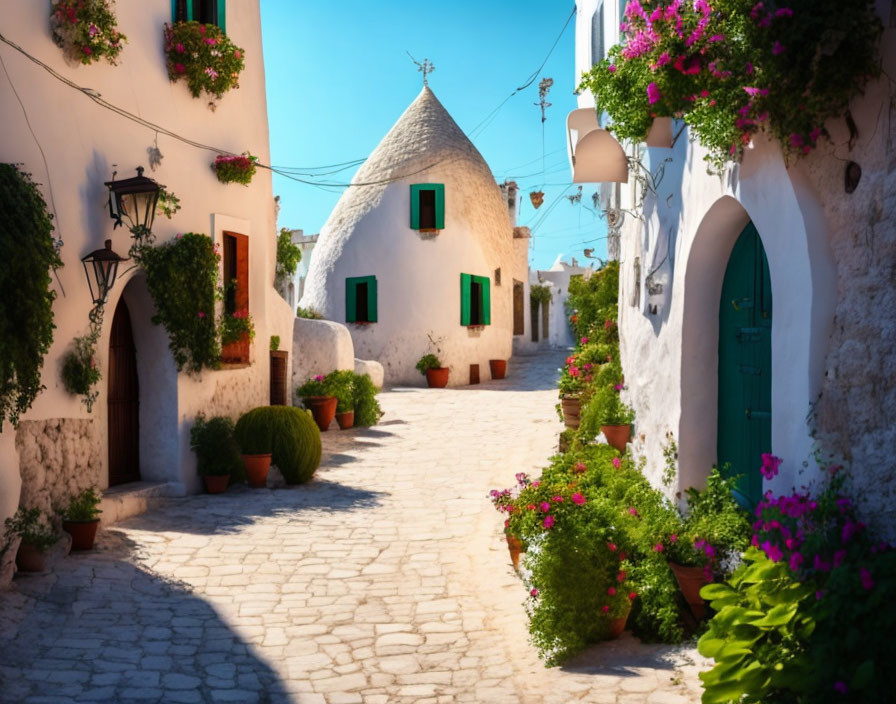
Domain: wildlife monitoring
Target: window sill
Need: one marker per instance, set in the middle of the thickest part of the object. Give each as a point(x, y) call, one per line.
point(225, 366)
point(476, 327)
point(361, 324)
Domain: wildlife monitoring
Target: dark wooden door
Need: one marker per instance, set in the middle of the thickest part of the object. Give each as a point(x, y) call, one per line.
point(279, 360)
point(124, 401)
point(518, 314)
point(745, 366)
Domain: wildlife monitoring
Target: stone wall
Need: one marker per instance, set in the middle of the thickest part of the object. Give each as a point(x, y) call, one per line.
point(58, 458)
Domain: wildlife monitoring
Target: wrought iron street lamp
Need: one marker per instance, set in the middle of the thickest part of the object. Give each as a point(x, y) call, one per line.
point(134, 201)
point(101, 268)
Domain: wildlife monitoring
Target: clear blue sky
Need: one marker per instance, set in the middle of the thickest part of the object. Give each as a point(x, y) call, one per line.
point(338, 78)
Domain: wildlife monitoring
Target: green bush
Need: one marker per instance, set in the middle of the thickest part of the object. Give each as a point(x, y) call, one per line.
point(308, 313)
point(84, 506)
point(27, 253)
point(341, 383)
point(80, 374)
point(217, 452)
point(427, 362)
point(593, 301)
point(33, 527)
point(290, 435)
point(288, 255)
point(367, 408)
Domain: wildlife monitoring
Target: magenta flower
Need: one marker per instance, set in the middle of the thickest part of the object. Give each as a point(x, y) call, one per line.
point(611, 68)
point(840, 687)
point(673, 538)
point(867, 581)
point(584, 340)
point(87, 50)
point(211, 73)
point(611, 591)
point(580, 467)
point(319, 377)
point(179, 68)
point(770, 464)
point(778, 48)
point(658, 547)
point(617, 463)
point(653, 93)
point(814, 135)
point(796, 559)
point(557, 499)
point(605, 609)
point(201, 314)
point(534, 592)
point(179, 48)
point(544, 506)
point(784, 12)
point(548, 522)
point(577, 499)
point(818, 595)
point(632, 596)
point(753, 92)
point(632, 511)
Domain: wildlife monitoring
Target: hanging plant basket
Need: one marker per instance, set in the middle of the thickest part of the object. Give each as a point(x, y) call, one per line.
point(235, 169)
point(537, 198)
point(86, 30)
point(203, 56)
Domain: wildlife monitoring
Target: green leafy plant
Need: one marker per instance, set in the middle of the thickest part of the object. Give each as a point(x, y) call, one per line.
point(86, 30)
point(341, 384)
point(167, 204)
point(182, 277)
point(318, 385)
point(367, 408)
point(204, 57)
point(236, 326)
point(288, 255)
point(217, 452)
point(80, 374)
point(290, 434)
point(32, 526)
point(733, 68)
point(539, 294)
point(592, 302)
point(84, 506)
point(428, 361)
point(27, 253)
point(308, 313)
point(275, 343)
point(607, 408)
point(236, 169)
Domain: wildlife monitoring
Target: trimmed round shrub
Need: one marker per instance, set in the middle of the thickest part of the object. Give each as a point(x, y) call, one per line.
point(288, 433)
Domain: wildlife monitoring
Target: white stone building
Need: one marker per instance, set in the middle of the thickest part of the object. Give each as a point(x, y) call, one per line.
point(719, 366)
point(418, 254)
point(293, 287)
point(59, 447)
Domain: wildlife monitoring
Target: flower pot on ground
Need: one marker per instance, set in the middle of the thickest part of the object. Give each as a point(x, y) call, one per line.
point(431, 367)
point(345, 420)
point(498, 368)
point(37, 536)
point(572, 410)
point(617, 435)
point(81, 519)
point(319, 395)
point(257, 467)
point(323, 410)
point(30, 558)
point(288, 434)
point(516, 548)
point(690, 581)
point(254, 436)
point(218, 458)
point(342, 385)
point(617, 625)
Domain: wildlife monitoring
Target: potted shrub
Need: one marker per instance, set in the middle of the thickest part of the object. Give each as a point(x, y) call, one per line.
point(614, 416)
point(253, 433)
point(217, 453)
point(498, 368)
point(436, 375)
point(367, 408)
point(82, 518)
point(37, 536)
point(86, 30)
point(342, 386)
point(290, 435)
point(317, 396)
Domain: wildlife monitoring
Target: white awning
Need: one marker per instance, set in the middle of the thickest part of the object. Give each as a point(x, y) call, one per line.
point(594, 154)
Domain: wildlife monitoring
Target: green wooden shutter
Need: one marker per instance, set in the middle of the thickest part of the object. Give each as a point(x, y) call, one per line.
point(465, 286)
point(486, 300)
point(189, 10)
point(351, 314)
point(222, 7)
point(440, 205)
point(371, 298)
point(415, 207)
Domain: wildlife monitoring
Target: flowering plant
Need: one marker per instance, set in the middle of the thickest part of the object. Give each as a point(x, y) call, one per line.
point(235, 169)
point(236, 326)
point(86, 30)
point(732, 68)
point(318, 385)
point(203, 56)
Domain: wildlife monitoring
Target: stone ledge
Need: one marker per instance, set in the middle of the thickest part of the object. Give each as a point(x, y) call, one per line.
point(134, 498)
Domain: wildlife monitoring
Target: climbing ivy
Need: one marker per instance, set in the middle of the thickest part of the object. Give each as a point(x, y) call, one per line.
point(27, 253)
point(288, 255)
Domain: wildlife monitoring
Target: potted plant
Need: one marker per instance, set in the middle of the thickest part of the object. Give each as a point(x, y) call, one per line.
point(82, 517)
point(203, 56)
point(317, 396)
point(436, 375)
point(367, 409)
point(217, 453)
point(235, 169)
point(342, 386)
point(253, 433)
point(498, 368)
point(614, 416)
point(86, 30)
point(37, 536)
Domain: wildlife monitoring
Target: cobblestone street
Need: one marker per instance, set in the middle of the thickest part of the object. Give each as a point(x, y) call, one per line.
point(387, 579)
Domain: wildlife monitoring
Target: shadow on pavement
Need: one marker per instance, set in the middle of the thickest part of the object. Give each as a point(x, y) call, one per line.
point(624, 658)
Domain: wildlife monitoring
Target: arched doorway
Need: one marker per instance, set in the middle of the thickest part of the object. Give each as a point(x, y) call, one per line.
point(745, 365)
point(123, 401)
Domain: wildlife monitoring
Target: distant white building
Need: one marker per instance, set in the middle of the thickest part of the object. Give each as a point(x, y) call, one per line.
point(293, 287)
point(555, 328)
point(418, 254)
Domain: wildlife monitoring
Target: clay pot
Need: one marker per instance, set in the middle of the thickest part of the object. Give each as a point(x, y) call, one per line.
point(515, 546)
point(218, 483)
point(498, 368)
point(346, 420)
point(690, 581)
point(617, 625)
point(30, 559)
point(617, 435)
point(323, 409)
point(257, 467)
point(83, 533)
point(572, 411)
point(437, 378)
point(537, 198)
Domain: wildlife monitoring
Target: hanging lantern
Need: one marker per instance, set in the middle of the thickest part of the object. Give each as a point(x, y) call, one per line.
point(101, 268)
point(134, 201)
point(537, 198)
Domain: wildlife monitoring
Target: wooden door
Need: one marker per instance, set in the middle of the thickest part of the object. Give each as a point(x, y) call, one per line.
point(123, 401)
point(518, 314)
point(745, 366)
point(279, 361)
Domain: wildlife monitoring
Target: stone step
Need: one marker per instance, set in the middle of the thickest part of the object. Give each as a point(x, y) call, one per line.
point(134, 498)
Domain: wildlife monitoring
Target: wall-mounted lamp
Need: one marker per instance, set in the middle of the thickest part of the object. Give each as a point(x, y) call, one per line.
point(101, 268)
point(134, 200)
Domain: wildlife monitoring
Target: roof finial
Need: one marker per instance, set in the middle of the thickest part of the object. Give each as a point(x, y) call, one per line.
point(426, 67)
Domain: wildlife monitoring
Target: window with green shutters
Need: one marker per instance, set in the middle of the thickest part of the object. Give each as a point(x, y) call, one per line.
point(428, 206)
point(360, 299)
point(475, 300)
point(204, 11)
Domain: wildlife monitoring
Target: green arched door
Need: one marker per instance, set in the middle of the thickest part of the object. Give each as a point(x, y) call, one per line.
point(745, 366)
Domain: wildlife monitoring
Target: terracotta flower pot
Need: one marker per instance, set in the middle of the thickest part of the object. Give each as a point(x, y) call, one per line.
point(346, 420)
point(83, 533)
point(537, 198)
point(218, 483)
point(257, 467)
point(572, 411)
point(690, 580)
point(323, 409)
point(617, 435)
point(617, 625)
point(515, 546)
point(30, 559)
point(498, 368)
point(437, 378)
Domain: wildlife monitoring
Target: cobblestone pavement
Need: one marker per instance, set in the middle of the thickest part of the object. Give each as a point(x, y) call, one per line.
point(385, 580)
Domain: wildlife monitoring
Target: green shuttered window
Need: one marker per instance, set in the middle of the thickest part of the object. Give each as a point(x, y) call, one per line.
point(428, 206)
point(204, 11)
point(360, 299)
point(475, 300)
